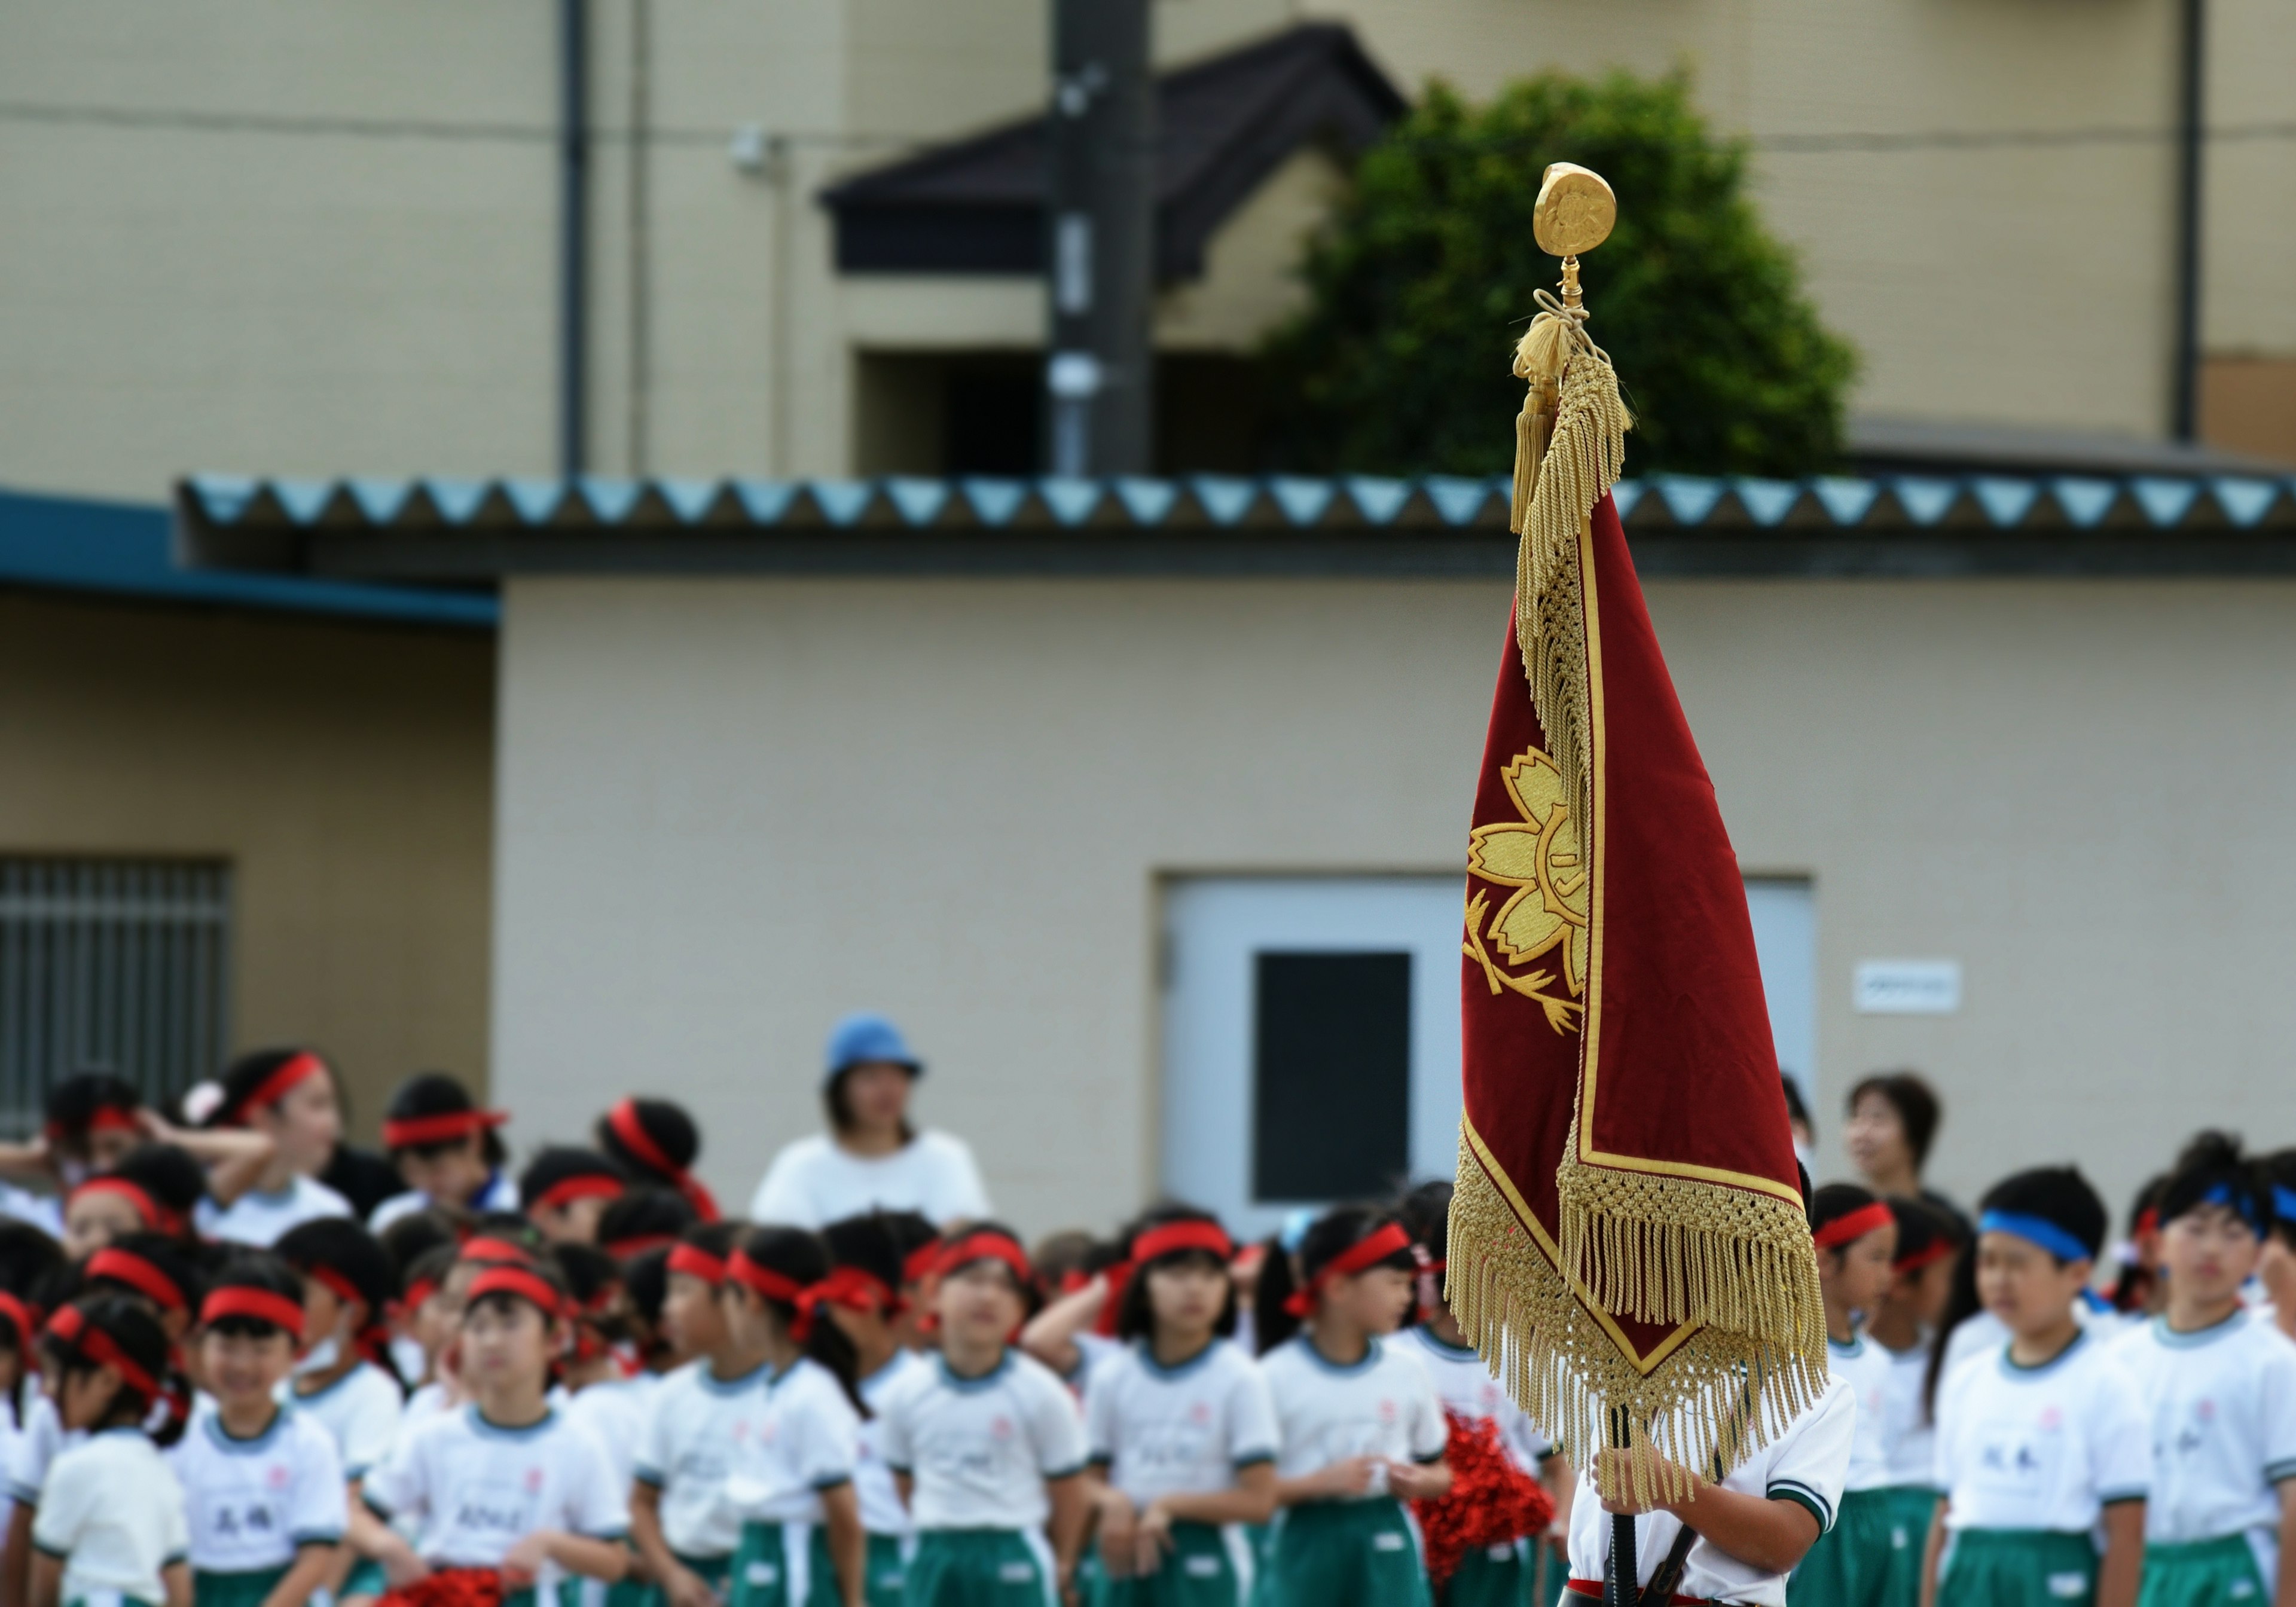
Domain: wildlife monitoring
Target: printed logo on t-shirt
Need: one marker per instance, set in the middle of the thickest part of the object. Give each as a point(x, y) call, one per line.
point(278, 1476)
point(1000, 1427)
point(1200, 1413)
point(1387, 1412)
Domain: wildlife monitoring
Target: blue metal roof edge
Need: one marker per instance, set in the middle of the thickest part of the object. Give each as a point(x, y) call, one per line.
point(127, 549)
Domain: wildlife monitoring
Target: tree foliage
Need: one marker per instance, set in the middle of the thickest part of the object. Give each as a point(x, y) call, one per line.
point(1420, 285)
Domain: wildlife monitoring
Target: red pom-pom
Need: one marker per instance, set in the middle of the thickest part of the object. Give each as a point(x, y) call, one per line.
point(448, 1587)
point(1492, 1501)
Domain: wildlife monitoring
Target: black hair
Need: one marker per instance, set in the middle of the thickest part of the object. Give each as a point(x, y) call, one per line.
point(435, 1094)
point(512, 1228)
point(244, 1078)
point(669, 1126)
point(1922, 1224)
point(720, 1239)
point(167, 1255)
point(912, 1231)
point(27, 1255)
point(803, 1259)
point(256, 1269)
point(1835, 1201)
point(1271, 1321)
point(866, 1242)
point(342, 1247)
point(2279, 1172)
point(431, 1267)
point(1056, 1255)
point(1032, 1298)
point(2212, 1171)
point(136, 1334)
point(559, 1163)
point(840, 1108)
point(77, 1099)
point(645, 1278)
point(1135, 1316)
point(167, 1172)
point(1910, 1096)
point(547, 1271)
point(2058, 1195)
point(644, 1213)
point(592, 1277)
point(1797, 1107)
point(1340, 1229)
point(1425, 1213)
point(414, 1235)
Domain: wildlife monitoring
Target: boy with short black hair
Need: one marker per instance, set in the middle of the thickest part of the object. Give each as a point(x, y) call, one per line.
point(2219, 1384)
point(2041, 1441)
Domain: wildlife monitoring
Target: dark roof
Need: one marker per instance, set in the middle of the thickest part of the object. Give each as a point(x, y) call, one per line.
point(1899, 525)
point(1887, 445)
point(123, 549)
point(1222, 127)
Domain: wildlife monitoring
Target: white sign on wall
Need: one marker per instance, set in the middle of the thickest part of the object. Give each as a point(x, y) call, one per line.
point(1907, 987)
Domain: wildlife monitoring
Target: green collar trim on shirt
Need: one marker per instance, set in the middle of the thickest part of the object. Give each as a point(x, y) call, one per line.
point(966, 1386)
point(325, 1389)
point(1457, 1353)
point(1855, 1348)
point(761, 1374)
point(226, 1440)
point(2010, 1367)
point(1307, 1344)
point(2193, 1339)
point(1146, 1350)
point(486, 1428)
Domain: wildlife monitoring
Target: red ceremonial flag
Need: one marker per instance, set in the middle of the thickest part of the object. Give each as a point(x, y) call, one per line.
point(1628, 1244)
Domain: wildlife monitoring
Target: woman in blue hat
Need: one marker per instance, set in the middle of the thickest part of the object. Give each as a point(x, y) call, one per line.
point(871, 1159)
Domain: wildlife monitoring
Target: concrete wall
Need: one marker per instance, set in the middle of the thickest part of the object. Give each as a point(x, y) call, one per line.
point(730, 809)
point(256, 235)
point(345, 772)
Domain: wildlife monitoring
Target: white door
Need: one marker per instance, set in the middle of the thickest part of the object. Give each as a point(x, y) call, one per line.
point(1311, 1040)
point(1786, 941)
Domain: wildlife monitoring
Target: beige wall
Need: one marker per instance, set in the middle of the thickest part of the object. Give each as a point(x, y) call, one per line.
point(730, 809)
point(345, 772)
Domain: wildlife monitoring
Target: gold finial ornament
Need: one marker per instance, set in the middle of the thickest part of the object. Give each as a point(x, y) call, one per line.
point(1575, 212)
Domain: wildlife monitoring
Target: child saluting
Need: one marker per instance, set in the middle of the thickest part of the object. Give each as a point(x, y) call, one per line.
point(2219, 1384)
point(2040, 1439)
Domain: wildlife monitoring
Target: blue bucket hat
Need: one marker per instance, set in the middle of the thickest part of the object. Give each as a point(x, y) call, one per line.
point(865, 1037)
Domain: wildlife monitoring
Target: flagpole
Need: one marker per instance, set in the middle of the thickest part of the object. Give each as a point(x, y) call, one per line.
point(1621, 1570)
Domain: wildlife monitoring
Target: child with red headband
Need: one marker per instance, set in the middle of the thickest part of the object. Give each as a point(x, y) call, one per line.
point(679, 1517)
point(866, 1252)
point(155, 1188)
point(33, 1278)
point(603, 1399)
point(92, 1119)
point(655, 1140)
point(792, 1479)
point(1855, 1233)
point(565, 1191)
point(1361, 1427)
point(110, 1524)
point(1902, 1324)
point(447, 1150)
point(1181, 1429)
point(263, 1485)
point(986, 1446)
point(507, 1487)
point(288, 1096)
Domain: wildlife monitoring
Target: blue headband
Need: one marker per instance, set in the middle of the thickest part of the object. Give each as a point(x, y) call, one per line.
point(2046, 1234)
point(2247, 1208)
point(2284, 1203)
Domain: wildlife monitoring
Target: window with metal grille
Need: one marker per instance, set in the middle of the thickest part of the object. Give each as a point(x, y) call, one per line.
point(114, 965)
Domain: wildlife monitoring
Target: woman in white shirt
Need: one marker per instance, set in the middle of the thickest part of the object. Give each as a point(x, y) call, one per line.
point(871, 1159)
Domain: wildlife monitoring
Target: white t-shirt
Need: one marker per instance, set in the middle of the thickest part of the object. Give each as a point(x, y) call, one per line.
point(498, 1193)
point(361, 1409)
point(39, 1443)
point(1383, 1405)
point(1909, 1439)
point(1805, 1464)
point(813, 1182)
point(2222, 1405)
point(114, 1513)
point(1178, 1431)
point(689, 1454)
point(1864, 1366)
point(250, 1502)
point(43, 1211)
point(1463, 1382)
point(2041, 1448)
point(808, 1439)
point(479, 1488)
point(1982, 1333)
point(615, 1414)
point(262, 1219)
point(881, 1512)
point(981, 1449)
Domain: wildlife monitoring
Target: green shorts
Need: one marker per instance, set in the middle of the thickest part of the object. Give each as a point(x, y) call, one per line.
point(980, 1568)
point(1346, 1553)
point(246, 1589)
point(2018, 1568)
point(364, 1578)
point(1871, 1554)
point(1201, 1570)
point(1490, 1576)
point(2202, 1573)
point(578, 1592)
point(773, 1567)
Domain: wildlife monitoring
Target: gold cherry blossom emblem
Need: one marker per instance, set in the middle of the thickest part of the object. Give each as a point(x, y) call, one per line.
point(1542, 859)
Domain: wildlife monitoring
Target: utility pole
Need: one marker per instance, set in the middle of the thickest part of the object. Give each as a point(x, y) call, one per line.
point(2191, 132)
point(1100, 243)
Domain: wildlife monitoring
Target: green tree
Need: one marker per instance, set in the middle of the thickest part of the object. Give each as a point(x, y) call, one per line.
point(1399, 363)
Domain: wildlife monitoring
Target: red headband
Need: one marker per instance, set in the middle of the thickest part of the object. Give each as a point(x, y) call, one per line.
point(1855, 1226)
point(1935, 1250)
point(405, 1135)
point(857, 1289)
point(984, 1247)
point(582, 1185)
point(71, 1327)
point(343, 1288)
point(696, 1262)
point(273, 1088)
point(108, 1119)
point(527, 1285)
point(418, 1294)
point(776, 1286)
point(126, 1267)
point(486, 1249)
point(1172, 1237)
point(1116, 1277)
point(156, 1216)
point(2148, 1221)
point(637, 1244)
point(237, 1299)
point(623, 1122)
point(920, 1262)
point(1365, 1253)
point(26, 1318)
